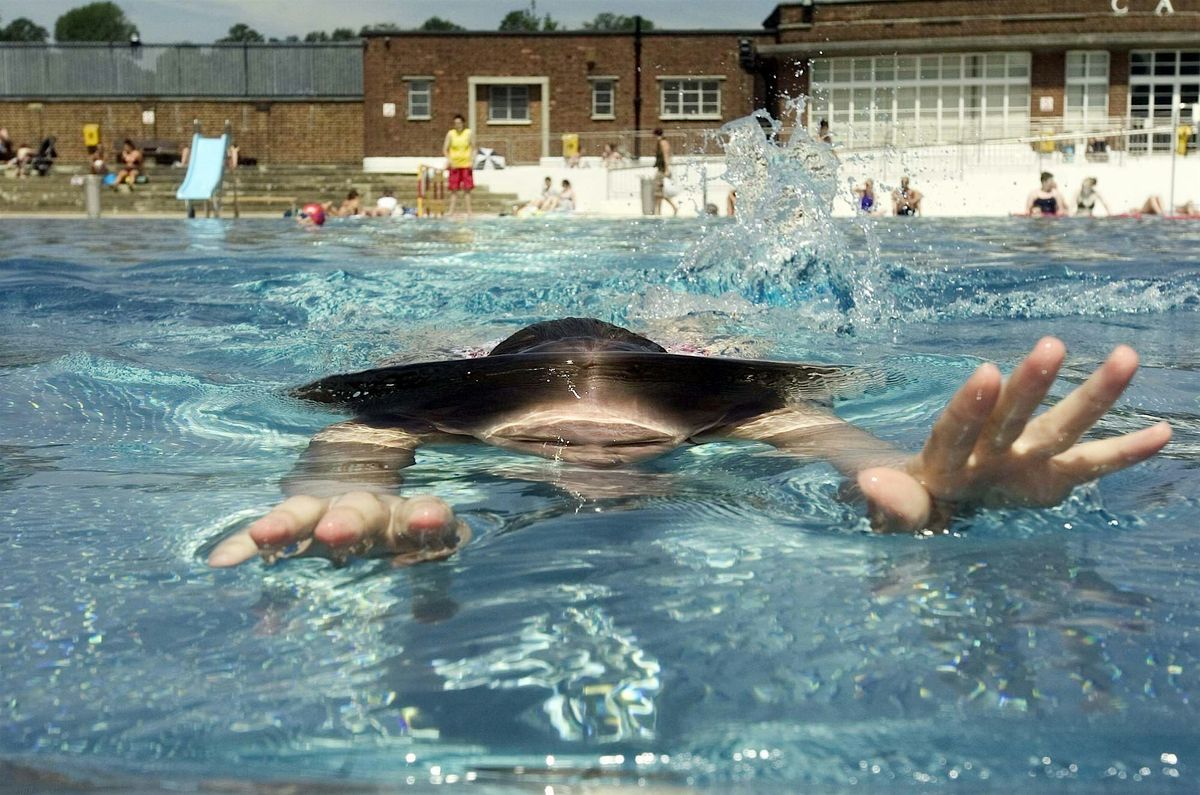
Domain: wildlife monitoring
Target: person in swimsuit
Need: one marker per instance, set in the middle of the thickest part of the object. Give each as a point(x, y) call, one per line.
point(131, 164)
point(906, 200)
point(1085, 201)
point(662, 171)
point(459, 150)
point(582, 392)
point(1047, 200)
point(867, 203)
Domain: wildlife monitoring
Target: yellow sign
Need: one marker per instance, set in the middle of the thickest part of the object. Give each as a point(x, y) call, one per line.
point(91, 135)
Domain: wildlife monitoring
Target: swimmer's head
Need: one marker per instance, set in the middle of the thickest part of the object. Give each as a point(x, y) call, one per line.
point(575, 334)
point(311, 214)
point(1047, 180)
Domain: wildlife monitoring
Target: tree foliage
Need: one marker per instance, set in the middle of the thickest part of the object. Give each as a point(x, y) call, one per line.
point(609, 21)
point(94, 22)
point(241, 33)
point(526, 20)
point(338, 34)
point(23, 29)
point(381, 27)
point(439, 24)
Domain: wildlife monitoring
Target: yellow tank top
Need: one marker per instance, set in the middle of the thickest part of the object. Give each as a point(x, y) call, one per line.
point(460, 148)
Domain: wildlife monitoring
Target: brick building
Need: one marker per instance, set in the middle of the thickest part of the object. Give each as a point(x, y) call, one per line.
point(881, 71)
point(521, 92)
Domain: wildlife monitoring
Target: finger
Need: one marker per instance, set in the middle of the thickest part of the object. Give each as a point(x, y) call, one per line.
point(353, 520)
point(1023, 392)
point(955, 433)
point(896, 502)
point(288, 523)
point(1063, 424)
point(423, 521)
point(1092, 460)
point(238, 548)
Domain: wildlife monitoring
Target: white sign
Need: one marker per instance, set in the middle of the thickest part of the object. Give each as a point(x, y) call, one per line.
point(148, 117)
point(1046, 104)
point(1164, 7)
point(389, 110)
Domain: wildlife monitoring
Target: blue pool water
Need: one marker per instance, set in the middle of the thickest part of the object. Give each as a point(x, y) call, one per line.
point(716, 618)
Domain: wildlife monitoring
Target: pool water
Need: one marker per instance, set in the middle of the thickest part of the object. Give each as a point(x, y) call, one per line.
point(716, 618)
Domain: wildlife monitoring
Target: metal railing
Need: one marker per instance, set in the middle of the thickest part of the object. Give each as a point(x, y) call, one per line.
point(267, 71)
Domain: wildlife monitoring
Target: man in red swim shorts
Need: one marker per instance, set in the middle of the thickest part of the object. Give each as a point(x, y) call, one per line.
point(459, 149)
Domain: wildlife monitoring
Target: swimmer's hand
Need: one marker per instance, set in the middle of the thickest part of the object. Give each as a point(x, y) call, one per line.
point(987, 448)
point(360, 523)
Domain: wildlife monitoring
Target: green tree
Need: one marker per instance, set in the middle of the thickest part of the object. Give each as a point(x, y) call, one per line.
point(525, 20)
point(338, 34)
point(242, 32)
point(94, 22)
point(22, 29)
point(608, 21)
point(439, 24)
point(381, 27)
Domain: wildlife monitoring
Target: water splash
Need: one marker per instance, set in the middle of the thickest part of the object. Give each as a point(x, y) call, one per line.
point(783, 247)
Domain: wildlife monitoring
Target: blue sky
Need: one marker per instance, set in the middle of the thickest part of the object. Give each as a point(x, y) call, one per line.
point(162, 21)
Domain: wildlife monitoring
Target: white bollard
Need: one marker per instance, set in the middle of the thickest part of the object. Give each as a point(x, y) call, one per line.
point(91, 195)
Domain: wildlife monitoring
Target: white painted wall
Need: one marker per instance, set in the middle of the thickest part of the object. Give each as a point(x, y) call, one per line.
point(991, 180)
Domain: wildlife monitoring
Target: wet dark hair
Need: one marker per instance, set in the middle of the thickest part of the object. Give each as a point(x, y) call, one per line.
point(658, 131)
point(581, 333)
point(129, 143)
point(567, 182)
point(1047, 175)
point(353, 194)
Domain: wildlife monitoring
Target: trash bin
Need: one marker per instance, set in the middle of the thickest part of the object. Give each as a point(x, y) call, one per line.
point(648, 196)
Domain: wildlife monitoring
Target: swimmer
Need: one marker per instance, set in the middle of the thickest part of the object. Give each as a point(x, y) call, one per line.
point(906, 200)
point(866, 202)
point(311, 214)
point(1047, 200)
point(1085, 201)
point(593, 394)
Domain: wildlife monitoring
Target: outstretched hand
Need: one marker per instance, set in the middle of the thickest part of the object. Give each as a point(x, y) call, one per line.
point(987, 448)
point(359, 523)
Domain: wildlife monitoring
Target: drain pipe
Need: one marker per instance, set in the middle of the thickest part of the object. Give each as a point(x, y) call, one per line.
point(637, 87)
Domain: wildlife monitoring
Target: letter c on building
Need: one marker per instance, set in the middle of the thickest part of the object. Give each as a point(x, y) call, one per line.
point(1118, 8)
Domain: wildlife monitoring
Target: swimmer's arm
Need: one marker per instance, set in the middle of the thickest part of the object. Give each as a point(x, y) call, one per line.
point(817, 434)
point(341, 501)
point(987, 448)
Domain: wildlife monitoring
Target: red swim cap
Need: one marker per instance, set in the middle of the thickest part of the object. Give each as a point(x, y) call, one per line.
point(314, 212)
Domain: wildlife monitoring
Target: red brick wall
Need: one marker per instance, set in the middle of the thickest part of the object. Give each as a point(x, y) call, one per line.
point(1047, 75)
point(567, 60)
point(278, 132)
point(879, 21)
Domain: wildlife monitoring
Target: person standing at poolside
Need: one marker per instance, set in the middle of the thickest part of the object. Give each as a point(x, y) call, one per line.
point(906, 200)
point(662, 172)
point(459, 149)
point(1047, 200)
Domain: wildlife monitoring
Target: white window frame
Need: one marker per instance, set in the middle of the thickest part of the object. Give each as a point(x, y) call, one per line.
point(508, 119)
point(611, 83)
point(924, 75)
point(698, 86)
point(1091, 82)
point(410, 85)
point(1156, 114)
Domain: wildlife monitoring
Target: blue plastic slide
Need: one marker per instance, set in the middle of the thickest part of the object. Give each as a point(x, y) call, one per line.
point(206, 167)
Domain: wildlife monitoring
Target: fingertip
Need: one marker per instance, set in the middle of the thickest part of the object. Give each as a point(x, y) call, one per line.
point(1125, 356)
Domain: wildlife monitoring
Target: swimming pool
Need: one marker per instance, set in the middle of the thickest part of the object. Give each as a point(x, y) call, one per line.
point(716, 618)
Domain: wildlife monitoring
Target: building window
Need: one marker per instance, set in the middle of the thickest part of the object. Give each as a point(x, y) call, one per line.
point(1086, 105)
point(420, 99)
point(604, 91)
point(690, 98)
point(508, 104)
point(921, 99)
point(1158, 81)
